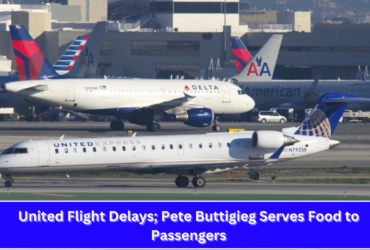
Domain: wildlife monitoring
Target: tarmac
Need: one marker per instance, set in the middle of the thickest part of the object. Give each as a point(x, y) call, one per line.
point(353, 152)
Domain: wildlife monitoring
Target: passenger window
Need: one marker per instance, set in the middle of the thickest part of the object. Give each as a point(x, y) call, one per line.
point(114, 149)
point(171, 146)
point(163, 147)
point(84, 149)
point(74, 150)
point(190, 145)
point(228, 144)
point(57, 151)
point(143, 147)
point(94, 149)
point(210, 145)
point(104, 149)
point(124, 148)
point(133, 148)
point(180, 146)
point(66, 150)
point(200, 145)
point(219, 145)
point(153, 147)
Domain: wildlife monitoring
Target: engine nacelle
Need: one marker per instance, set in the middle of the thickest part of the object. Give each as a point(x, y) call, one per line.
point(271, 140)
point(196, 117)
point(254, 174)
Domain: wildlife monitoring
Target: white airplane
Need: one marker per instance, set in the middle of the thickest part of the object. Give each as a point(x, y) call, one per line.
point(140, 101)
point(180, 154)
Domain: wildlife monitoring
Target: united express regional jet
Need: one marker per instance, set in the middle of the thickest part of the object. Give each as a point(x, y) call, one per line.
point(181, 155)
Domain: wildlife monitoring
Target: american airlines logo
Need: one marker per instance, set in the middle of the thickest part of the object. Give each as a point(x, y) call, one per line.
point(252, 70)
point(202, 87)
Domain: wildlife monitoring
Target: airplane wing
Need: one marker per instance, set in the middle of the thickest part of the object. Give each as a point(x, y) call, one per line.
point(165, 104)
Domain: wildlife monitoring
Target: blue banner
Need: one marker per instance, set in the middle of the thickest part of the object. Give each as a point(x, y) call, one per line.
point(184, 224)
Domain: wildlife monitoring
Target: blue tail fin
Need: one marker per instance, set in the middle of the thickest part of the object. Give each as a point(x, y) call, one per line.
point(324, 118)
point(31, 62)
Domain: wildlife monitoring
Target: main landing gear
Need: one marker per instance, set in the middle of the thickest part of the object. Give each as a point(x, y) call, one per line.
point(183, 181)
point(216, 127)
point(117, 125)
point(153, 127)
point(8, 181)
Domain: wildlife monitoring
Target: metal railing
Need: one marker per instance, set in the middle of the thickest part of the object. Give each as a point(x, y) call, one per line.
point(272, 28)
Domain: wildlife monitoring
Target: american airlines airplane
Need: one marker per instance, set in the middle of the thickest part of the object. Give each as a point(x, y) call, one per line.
point(80, 60)
point(297, 94)
point(180, 154)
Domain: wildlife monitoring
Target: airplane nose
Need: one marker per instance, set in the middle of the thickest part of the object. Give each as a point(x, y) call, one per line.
point(251, 103)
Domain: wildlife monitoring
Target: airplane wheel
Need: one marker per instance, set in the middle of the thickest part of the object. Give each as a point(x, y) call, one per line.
point(154, 127)
point(8, 184)
point(199, 181)
point(117, 126)
point(216, 128)
point(182, 181)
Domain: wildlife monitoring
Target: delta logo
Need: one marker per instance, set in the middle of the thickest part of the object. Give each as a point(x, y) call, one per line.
point(201, 87)
point(264, 68)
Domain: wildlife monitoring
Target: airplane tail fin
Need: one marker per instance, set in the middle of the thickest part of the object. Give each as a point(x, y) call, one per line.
point(86, 58)
point(31, 61)
point(241, 55)
point(69, 57)
point(262, 66)
point(324, 118)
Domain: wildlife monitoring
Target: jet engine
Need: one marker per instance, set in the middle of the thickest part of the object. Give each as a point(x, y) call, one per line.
point(196, 117)
point(271, 140)
point(254, 174)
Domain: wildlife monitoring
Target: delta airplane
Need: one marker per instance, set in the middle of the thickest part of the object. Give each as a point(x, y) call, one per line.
point(140, 101)
point(76, 62)
point(297, 94)
point(180, 154)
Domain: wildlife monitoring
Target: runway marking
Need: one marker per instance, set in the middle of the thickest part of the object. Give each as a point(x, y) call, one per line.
point(59, 195)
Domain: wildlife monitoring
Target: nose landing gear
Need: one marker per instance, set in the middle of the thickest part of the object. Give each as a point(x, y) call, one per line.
point(8, 181)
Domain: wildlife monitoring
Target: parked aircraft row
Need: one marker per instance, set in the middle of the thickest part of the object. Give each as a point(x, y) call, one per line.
point(143, 101)
point(140, 101)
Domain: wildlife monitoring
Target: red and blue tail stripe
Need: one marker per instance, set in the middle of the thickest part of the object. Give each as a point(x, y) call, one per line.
point(69, 57)
point(241, 55)
point(30, 60)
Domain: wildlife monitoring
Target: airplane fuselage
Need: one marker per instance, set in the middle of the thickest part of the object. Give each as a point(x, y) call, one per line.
point(179, 154)
point(123, 96)
point(291, 94)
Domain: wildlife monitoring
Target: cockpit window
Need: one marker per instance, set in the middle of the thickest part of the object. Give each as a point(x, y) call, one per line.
point(15, 151)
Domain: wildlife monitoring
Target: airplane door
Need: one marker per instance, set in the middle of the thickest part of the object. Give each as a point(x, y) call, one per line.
point(180, 148)
point(44, 153)
point(70, 92)
point(353, 90)
point(226, 91)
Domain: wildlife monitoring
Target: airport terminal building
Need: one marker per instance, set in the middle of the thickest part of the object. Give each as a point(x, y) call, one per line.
point(189, 38)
